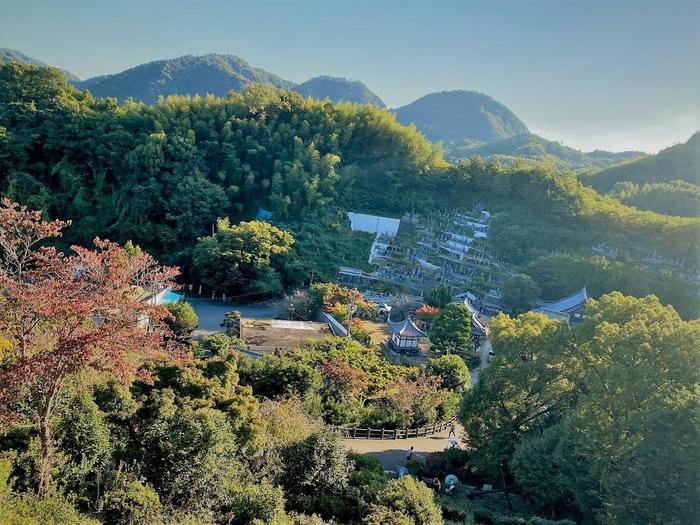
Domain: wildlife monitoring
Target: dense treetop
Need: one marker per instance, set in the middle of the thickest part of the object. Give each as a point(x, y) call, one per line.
point(162, 175)
point(582, 418)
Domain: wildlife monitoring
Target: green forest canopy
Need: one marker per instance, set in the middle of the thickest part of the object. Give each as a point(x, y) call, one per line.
point(162, 175)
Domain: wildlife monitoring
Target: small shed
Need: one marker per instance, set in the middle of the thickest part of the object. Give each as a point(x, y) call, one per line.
point(405, 336)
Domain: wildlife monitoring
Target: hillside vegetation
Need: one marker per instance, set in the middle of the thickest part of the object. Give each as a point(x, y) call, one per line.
point(668, 182)
point(215, 74)
point(112, 412)
point(162, 175)
point(467, 123)
point(531, 146)
point(679, 162)
point(11, 55)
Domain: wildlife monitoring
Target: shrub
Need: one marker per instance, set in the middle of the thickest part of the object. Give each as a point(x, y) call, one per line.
point(184, 320)
point(221, 345)
point(380, 515)
point(411, 498)
point(456, 457)
point(360, 333)
point(415, 465)
point(130, 502)
point(318, 465)
point(366, 462)
point(245, 503)
point(451, 370)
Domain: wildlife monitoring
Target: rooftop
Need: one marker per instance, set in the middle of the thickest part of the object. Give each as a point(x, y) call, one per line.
point(406, 328)
point(565, 304)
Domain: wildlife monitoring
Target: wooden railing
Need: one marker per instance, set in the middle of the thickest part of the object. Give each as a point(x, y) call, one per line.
point(399, 433)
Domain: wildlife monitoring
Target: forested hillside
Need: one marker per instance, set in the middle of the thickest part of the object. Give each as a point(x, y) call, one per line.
point(162, 175)
point(531, 146)
point(668, 182)
point(468, 123)
point(113, 411)
point(11, 55)
point(338, 90)
point(540, 210)
point(215, 74)
point(679, 162)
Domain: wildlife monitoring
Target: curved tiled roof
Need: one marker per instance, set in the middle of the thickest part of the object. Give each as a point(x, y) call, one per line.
point(567, 303)
point(406, 328)
point(476, 320)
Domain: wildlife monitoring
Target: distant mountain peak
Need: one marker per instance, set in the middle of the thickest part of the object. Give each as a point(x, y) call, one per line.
point(339, 89)
point(211, 73)
point(460, 115)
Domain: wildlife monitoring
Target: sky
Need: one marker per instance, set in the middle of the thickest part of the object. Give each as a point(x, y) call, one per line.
point(593, 74)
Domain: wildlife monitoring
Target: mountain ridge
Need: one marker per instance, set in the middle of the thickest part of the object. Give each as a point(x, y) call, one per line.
point(677, 162)
point(212, 73)
point(537, 148)
point(468, 123)
point(12, 55)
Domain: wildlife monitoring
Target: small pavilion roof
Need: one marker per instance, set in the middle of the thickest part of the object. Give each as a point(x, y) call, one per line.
point(407, 329)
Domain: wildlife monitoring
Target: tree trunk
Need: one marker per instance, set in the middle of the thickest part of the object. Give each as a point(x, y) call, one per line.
point(46, 458)
point(505, 487)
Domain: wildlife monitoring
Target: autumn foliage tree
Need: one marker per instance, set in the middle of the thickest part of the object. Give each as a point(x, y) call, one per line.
point(64, 313)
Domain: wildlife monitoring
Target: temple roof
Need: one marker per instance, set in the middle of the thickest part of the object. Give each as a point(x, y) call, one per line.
point(406, 329)
point(566, 304)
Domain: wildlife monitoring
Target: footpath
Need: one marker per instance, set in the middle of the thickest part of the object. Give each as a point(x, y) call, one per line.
point(392, 452)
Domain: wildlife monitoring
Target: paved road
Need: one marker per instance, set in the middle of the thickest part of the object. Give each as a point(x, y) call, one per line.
point(211, 313)
point(392, 452)
point(485, 360)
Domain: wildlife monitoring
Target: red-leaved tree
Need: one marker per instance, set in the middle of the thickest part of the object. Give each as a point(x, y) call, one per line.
point(64, 313)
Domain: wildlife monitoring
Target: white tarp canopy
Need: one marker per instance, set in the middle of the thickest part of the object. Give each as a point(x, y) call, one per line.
point(374, 224)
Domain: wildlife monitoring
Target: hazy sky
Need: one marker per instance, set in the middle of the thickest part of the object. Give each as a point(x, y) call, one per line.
point(609, 74)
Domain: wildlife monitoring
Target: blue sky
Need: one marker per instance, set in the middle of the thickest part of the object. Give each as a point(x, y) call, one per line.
point(609, 74)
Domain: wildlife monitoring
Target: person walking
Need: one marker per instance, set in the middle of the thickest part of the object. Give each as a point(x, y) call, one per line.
point(452, 431)
point(409, 454)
